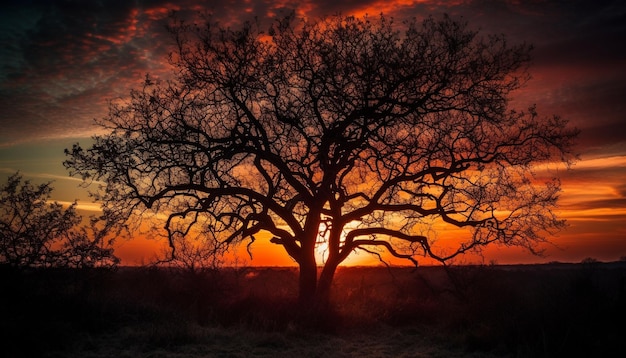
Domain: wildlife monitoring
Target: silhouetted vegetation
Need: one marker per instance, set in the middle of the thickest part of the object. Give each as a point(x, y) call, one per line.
point(36, 232)
point(504, 311)
point(347, 134)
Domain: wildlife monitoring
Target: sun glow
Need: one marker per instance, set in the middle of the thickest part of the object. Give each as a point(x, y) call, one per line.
point(356, 257)
point(321, 244)
point(321, 252)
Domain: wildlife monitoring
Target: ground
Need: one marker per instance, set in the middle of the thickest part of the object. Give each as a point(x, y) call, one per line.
point(469, 311)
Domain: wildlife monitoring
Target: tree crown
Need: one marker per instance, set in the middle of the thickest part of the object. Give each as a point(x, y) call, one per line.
point(345, 131)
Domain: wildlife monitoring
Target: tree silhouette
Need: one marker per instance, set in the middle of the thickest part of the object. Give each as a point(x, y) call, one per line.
point(35, 232)
point(343, 132)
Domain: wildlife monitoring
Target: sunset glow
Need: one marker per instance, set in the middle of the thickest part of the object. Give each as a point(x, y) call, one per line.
point(63, 64)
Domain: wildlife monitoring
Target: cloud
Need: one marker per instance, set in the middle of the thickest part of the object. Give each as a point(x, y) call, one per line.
point(47, 176)
point(65, 59)
point(90, 207)
point(589, 174)
point(69, 60)
point(613, 203)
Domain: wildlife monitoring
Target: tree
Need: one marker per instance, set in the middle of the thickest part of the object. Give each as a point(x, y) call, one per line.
point(196, 257)
point(35, 232)
point(342, 132)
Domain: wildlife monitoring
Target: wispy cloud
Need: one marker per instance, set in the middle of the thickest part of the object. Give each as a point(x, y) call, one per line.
point(38, 175)
point(81, 206)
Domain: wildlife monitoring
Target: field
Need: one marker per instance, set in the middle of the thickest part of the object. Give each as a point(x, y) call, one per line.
point(552, 310)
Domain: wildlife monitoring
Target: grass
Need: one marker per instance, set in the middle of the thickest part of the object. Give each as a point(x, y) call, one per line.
point(550, 310)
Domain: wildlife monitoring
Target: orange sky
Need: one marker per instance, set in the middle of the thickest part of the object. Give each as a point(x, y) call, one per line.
point(61, 63)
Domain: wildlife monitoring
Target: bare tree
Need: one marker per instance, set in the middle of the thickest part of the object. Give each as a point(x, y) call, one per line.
point(343, 132)
point(196, 256)
point(35, 232)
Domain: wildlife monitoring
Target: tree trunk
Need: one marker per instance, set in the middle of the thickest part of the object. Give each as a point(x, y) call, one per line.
point(308, 280)
point(322, 294)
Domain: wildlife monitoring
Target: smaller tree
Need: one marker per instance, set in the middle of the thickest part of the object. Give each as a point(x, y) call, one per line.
point(35, 232)
point(195, 256)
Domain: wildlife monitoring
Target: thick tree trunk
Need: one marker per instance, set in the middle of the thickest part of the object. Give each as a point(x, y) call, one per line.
point(308, 280)
point(315, 293)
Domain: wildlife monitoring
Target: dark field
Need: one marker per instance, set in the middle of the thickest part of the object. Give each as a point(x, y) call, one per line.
point(554, 310)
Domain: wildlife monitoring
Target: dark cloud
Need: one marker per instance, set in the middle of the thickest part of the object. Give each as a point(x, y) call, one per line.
point(609, 172)
point(593, 100)
point(617, 203)
point(69, 58)
point(62, 60)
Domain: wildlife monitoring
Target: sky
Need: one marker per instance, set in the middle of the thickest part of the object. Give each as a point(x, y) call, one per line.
point(61, 62)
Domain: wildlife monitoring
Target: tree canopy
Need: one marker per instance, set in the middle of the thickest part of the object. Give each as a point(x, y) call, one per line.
point(354, 133)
